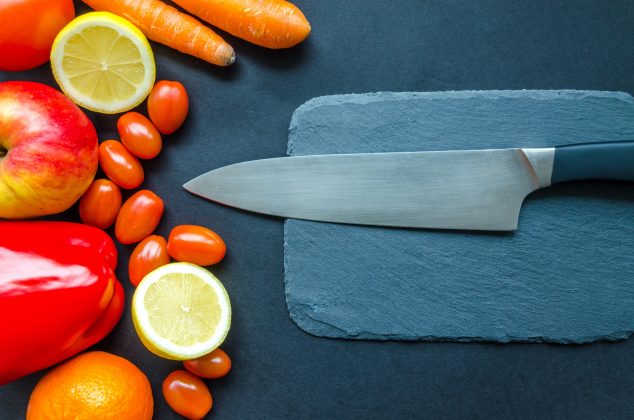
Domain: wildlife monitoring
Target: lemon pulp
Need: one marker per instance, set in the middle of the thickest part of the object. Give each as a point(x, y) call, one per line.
point(181, 311)
point(103, 63)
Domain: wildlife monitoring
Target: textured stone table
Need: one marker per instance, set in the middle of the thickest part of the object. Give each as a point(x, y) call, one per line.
point(566, 275)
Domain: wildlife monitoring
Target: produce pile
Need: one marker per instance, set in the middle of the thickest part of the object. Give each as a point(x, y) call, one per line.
point(52, 159)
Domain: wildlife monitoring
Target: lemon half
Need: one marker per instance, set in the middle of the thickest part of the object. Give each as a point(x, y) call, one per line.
point(103, 63)
point(181, 311)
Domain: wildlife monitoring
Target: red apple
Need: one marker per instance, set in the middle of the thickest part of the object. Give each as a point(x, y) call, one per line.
point(48, 151)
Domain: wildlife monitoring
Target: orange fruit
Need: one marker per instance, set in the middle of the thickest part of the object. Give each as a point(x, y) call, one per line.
point(93, 385)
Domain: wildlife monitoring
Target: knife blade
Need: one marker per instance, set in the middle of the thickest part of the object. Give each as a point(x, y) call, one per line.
point(458, 189)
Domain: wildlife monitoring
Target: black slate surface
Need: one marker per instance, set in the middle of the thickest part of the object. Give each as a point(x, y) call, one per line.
point(242, 113)
point(535, 284)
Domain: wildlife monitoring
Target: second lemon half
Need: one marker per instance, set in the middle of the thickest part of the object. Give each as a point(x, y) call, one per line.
point(181, 311)
point(103, 63)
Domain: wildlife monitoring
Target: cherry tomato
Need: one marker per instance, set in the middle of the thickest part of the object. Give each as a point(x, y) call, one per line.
point(149, 254)
point(187, 394)
point(27, 31)
point(138, 217)
point(168, 105)
point(196, 245)
point(120, 165)
point(100, 204)
point(213, 365)
point(139, 135)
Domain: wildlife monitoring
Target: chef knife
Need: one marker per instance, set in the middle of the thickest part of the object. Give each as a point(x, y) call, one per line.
point(458, 189)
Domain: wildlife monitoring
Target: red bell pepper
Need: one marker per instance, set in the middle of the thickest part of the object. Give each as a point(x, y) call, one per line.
point(58, 293)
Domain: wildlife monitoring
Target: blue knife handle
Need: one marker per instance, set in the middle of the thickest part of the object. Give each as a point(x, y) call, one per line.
point(602, 161)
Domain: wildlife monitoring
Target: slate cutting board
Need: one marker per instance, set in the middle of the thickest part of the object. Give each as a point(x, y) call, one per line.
point(566, 275)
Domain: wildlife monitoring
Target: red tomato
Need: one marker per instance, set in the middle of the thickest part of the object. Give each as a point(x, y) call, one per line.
point(187, 394)
point(139, 135)
point(27, 31)
point(120, 165)
point(138, 217)
point(149, 254)
point(168, 105)
point(100, 204)
point(196, 245)
point(213, 365)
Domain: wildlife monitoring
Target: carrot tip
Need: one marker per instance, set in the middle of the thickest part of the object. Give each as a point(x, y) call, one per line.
point(231, 59)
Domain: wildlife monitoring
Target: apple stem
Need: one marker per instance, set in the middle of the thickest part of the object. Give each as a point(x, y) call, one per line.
point(3, 152)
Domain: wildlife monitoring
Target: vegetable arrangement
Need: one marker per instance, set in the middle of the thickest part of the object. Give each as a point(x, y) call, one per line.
point(32, 285)
point(62, 287)
point(30, 27)
point(73, 246)
point(166, 25)
point(268, 23)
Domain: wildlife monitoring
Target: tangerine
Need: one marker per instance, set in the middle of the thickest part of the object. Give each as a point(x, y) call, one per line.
point(93, 385)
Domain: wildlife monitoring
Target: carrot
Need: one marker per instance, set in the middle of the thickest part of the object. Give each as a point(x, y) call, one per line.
point(268, 23)
point(166, 25)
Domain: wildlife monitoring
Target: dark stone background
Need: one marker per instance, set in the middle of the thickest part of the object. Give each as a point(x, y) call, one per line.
point(243, 113)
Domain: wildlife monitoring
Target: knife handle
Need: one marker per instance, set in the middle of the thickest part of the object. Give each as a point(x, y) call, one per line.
point(605, 161)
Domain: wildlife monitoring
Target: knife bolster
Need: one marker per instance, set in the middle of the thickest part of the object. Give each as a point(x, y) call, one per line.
point(541, 161)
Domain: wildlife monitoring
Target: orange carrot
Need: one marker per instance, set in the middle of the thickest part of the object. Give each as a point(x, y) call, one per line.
point(268, 23)
point(166, 25)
